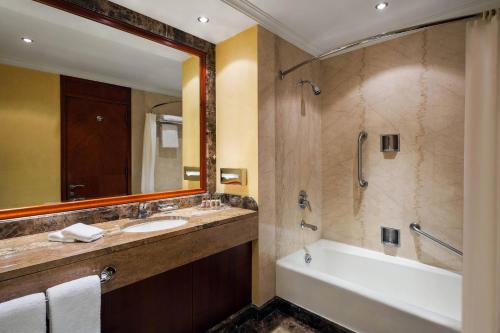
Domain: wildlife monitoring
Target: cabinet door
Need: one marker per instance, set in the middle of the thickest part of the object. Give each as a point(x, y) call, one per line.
point(222, 285)
point(162, 303)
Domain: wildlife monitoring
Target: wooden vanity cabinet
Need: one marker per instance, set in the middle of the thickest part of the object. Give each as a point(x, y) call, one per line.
point(191, 298)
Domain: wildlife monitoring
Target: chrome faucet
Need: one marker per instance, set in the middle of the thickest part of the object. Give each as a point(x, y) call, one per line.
point(167, 207)
point(142, 212)
point(303, 225)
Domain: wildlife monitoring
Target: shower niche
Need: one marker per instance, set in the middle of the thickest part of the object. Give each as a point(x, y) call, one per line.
point(389, 143)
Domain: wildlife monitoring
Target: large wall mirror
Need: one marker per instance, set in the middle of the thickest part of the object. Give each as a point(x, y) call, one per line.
point(94, 114)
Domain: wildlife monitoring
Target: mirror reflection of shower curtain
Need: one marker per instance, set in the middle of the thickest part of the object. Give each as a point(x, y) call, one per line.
point(149, 154)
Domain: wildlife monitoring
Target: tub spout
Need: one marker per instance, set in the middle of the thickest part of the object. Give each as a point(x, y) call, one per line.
point(303, 225)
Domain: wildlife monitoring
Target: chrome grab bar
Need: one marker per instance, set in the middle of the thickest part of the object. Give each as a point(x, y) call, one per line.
point(361, 138)
point(415, 227)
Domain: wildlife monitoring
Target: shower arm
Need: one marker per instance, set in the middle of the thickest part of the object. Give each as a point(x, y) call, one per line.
point(283, 73)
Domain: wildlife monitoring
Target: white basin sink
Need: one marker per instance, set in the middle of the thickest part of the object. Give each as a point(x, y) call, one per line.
point(156, 224)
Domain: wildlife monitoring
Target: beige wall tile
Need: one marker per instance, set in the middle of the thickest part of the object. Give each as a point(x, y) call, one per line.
point(413, 86)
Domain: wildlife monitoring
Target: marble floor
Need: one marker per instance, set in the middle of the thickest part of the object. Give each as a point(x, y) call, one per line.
point(277, 316)
point(276, 322)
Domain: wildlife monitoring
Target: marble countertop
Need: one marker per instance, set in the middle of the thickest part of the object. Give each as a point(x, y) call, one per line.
point(28, 254)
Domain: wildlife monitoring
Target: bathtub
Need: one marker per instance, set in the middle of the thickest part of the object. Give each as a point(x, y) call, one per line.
point(370, 292)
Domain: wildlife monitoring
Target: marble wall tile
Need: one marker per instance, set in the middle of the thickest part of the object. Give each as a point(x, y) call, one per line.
point(289, 157)
point(414, 86)
point(298, 151)
point(266, 257)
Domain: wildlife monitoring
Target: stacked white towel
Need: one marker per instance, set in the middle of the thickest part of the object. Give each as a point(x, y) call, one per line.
point(83, 232)
point(172, 119)
point(57, 236)
point(24, 315)
point(77, 232)
point(75, 306)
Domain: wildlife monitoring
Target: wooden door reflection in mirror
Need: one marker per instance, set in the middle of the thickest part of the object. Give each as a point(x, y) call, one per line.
point(94, 114)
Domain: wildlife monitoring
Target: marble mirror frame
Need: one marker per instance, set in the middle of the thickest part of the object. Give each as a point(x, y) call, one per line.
point(118, 17)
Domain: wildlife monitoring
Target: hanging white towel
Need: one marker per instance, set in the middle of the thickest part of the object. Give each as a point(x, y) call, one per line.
point(75, 306)
point(169, 136)
point(149, 154)
point(83, 232)
point(24, 315)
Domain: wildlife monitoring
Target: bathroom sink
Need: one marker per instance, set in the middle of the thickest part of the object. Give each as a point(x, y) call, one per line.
point(155, 224)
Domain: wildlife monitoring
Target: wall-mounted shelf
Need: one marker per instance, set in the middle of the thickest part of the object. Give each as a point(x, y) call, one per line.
point(389, 143)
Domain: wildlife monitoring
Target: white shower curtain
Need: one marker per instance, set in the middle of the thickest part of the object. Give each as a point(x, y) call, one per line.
point(481, 299)
point(149, 154)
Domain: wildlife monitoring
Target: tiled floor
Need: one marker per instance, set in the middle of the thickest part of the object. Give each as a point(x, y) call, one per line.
point(276, 322)
point(277, 316)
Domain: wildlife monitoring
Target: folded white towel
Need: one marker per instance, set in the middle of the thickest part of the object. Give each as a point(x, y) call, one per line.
point(57, 236)
point(172, 119)
point(169, 136)
point(75, 306)
point(83, 232)
point(24, 315)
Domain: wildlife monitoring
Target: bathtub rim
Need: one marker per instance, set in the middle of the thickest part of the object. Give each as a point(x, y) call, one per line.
point(288, 262)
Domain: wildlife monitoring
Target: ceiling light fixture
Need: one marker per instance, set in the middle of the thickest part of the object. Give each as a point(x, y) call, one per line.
point(382, 5)
point(203, 19)
point(27, 40)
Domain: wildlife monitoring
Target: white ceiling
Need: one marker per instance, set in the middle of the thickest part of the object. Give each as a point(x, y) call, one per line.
point(71, 45)
point(183, 14)
point(320, 25)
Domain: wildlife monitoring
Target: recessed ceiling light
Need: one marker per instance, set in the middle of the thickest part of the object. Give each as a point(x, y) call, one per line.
point(203, 19)
point(381, 5)
point(27, 40)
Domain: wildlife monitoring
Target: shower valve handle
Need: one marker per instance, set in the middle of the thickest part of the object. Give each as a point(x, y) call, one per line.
point(303, 201)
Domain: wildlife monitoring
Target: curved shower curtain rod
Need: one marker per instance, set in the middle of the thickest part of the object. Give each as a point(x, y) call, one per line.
point(283, 73)
point(165, 103)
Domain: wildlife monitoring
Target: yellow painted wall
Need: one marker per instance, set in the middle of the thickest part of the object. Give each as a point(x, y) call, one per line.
point(29, 137)
point(237, 109)
point(191, 117)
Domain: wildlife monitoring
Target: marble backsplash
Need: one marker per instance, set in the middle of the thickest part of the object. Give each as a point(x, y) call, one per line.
point(43, 223)
point(414, 86)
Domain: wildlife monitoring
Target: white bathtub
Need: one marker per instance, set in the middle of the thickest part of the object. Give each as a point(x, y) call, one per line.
point(370, 292)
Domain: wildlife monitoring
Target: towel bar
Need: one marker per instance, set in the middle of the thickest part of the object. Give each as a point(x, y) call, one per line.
point(106, 275)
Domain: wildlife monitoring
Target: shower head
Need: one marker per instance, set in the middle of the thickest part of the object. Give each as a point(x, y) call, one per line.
point(316, 89)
